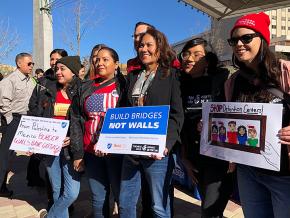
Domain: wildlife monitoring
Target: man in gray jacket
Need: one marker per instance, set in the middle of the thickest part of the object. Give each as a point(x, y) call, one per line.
point(15, 92)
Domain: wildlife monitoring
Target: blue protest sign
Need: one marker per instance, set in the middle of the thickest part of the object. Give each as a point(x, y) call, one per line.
point(138, 130)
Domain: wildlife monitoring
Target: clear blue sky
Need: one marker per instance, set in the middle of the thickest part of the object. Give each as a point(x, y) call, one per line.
point(115, 28)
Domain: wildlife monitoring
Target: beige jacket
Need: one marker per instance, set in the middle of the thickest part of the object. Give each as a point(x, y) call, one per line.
point(15, 92)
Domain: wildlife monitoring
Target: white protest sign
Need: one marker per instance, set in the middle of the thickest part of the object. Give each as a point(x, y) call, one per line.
point(135, 130)
point(244, 133)
point(40, 135)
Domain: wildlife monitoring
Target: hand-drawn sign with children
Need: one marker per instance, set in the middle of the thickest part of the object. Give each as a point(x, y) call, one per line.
point(238, 131)
point(244, 133)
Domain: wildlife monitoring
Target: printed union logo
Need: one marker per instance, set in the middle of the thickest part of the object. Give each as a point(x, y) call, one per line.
point(63, 124)
point(145, 148)
point(109, 145)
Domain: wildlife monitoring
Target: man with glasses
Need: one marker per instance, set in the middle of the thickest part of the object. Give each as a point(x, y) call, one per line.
point(140, 28)
point(15, 92)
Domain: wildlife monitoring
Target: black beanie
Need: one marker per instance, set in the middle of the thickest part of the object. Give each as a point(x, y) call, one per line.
point(72, 62)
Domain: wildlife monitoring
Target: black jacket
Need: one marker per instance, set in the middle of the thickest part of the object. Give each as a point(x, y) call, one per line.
point(163, 91)
point(78, 115)
point(195, 91)
point(42, 101)
point(43, 93)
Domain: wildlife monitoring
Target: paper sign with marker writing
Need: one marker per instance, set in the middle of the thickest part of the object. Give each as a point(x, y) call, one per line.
point(244, 133)
point(40, 135)
point(135, 130)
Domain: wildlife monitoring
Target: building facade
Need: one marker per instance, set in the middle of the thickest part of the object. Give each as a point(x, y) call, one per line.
point(280, 22)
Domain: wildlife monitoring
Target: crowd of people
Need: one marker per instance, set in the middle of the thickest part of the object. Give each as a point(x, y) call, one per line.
point(156, 76)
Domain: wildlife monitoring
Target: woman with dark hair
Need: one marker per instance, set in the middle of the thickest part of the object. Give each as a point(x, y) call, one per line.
point(49, 77)
point(55, 55)
point(97, 95)
point(202, 80)
point(54, 99)
point(33, 174)
point(260, 79)
point(155, 84)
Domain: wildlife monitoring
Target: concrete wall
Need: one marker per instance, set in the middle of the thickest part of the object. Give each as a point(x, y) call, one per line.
point(42, 36)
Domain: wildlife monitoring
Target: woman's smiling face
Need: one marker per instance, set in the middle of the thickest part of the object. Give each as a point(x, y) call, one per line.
point(246, 52)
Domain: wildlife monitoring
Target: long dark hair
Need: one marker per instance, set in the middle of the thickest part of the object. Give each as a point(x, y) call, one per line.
point(167, 55)
point(118, 75)
point(194, 42)
point(210, 57)
point(60, 51)
point(115, 57)
point(268, 66)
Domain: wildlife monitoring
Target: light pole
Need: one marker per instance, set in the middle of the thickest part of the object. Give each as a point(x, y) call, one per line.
point(42, 33)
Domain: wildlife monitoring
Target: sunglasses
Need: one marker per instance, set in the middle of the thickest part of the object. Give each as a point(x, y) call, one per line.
point(30, 63)
point(245, 39)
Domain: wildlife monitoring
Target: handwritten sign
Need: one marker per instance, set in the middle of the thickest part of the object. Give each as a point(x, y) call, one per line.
point(244, 133)
point(134, 130)
point(40, 135)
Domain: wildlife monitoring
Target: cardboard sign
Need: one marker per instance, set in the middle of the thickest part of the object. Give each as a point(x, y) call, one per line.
point(40, 135)
point(244, 133)
point(134, 130)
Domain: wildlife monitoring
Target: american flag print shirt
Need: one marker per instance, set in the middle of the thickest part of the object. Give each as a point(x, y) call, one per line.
point(96, 106)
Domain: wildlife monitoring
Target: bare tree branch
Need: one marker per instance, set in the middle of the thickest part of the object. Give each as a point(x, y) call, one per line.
point(76, 26)
point(9, 39)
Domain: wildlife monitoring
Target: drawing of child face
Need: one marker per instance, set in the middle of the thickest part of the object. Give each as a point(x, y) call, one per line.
point(232, 126)
point(214, 129)
point(252, 133)
point(222, 130)
point(242, 131)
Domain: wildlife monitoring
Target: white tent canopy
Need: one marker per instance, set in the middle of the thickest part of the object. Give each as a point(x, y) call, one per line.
point(220, 9)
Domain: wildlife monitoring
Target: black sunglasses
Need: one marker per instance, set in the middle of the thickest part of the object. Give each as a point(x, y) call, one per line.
point(30, 63)
point(245, 39)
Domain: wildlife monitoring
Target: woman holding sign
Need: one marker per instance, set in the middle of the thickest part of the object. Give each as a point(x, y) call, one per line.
point(155, 84)
point(261, 78)
point(54, 101)
point(88, 110)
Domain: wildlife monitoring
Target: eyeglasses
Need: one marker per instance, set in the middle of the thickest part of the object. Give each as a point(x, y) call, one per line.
point(245, 39)
point(30, 63)
point(196, 55)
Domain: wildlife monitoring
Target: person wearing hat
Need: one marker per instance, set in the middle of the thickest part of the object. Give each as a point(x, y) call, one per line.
point(261, 78)
point(54, 101)
point(33, 171)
